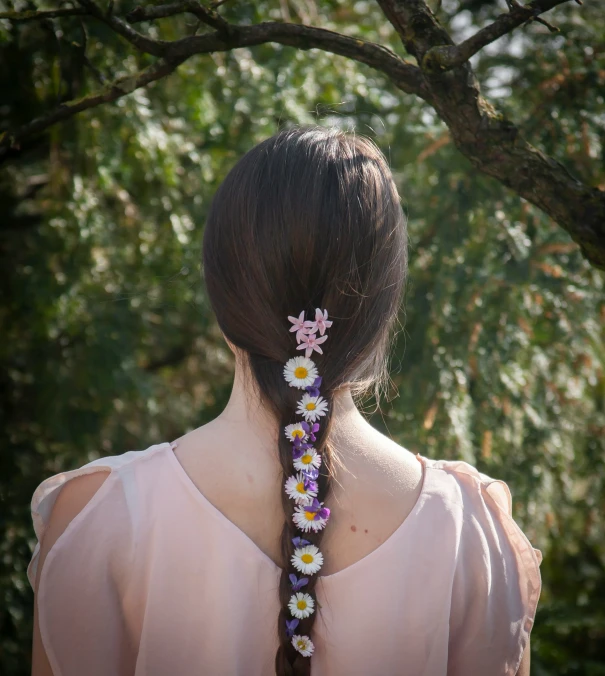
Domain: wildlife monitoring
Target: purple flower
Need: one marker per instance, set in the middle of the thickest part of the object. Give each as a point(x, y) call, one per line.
point(300, 542)
point(299, 449)
point(290, 627)
point(323, 513)
point(320, 512)
point(309, 485)
point(312, 430)
point(313, 390)
point(296, 583)
point(312, 473)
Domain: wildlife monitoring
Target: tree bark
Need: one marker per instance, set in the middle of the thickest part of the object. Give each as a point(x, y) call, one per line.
point(493, 143)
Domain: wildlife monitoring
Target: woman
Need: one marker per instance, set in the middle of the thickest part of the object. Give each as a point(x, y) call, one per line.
point(287, 536)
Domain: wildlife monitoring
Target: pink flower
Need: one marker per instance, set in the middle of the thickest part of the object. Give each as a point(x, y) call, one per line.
point(320, 324)
point(310, 342)
point(299, 325)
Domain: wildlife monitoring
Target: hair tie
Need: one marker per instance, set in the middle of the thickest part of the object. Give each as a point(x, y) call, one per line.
point(302, 487)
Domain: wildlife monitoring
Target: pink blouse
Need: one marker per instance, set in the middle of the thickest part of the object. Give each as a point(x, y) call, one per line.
point(151, 579)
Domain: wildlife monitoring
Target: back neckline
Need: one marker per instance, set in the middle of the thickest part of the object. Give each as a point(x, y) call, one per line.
point(364, 560)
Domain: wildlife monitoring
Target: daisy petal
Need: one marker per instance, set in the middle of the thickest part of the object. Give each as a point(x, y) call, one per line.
point(303, 645)
point(307, 560)
point(300, 372)
point(301, 605)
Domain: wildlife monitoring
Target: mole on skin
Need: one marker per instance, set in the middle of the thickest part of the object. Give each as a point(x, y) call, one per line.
point(354, 528)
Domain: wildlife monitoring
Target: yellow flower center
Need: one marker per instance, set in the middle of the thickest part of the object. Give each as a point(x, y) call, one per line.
point(300, 487)
point(307, 558)
point(310, 406)
point(301, 644)
point(300, 372)
point(309, 516)
point(306, 459)
point(301, 605)
point(298, 433)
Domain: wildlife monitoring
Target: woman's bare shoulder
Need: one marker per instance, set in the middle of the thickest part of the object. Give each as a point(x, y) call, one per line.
point(382, 465)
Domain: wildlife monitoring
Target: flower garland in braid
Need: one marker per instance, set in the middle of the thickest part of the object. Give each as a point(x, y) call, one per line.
point(302, 487)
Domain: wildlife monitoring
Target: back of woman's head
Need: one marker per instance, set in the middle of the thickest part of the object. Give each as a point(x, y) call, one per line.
point(309, 218)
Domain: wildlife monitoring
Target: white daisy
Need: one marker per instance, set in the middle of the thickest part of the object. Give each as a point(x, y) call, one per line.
point(310, 458)
point(295, 488)
point(303, 644)
point(300, 372)
point(312, 408)
point(307, 560)
point(296, 430)
point(301, 605)
point(307, 520)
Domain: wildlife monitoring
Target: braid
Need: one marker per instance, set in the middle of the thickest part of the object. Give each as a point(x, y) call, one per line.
point(289, 660)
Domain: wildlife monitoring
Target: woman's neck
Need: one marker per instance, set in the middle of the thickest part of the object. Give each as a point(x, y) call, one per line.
point(246, 411)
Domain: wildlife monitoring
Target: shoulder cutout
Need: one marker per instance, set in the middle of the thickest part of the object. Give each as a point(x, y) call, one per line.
point(81, 565)
point(69, 503)
point(90, 477)
point(72, 499)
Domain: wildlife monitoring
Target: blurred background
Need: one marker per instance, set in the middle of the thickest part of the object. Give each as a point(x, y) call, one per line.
point(109, 344)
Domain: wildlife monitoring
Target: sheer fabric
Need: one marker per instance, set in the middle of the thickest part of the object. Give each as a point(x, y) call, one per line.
point(151, 579)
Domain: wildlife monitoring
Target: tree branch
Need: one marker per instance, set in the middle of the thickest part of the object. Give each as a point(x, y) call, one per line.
point(152, 12)
point(34, 15)
point(441, 58)
point(207, 16)
point(87, 62)
point(113, 91)
point(417, 26)
point(140, 41)
point(407, 77)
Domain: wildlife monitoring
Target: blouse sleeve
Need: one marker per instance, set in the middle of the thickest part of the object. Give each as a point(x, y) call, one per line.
point(496, 583)
point(84, 578)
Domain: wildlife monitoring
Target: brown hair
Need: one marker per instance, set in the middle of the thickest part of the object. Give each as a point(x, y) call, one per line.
point(309, 218)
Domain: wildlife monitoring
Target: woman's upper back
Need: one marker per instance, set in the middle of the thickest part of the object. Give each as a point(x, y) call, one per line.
point(375, 486)
point(166, 580)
